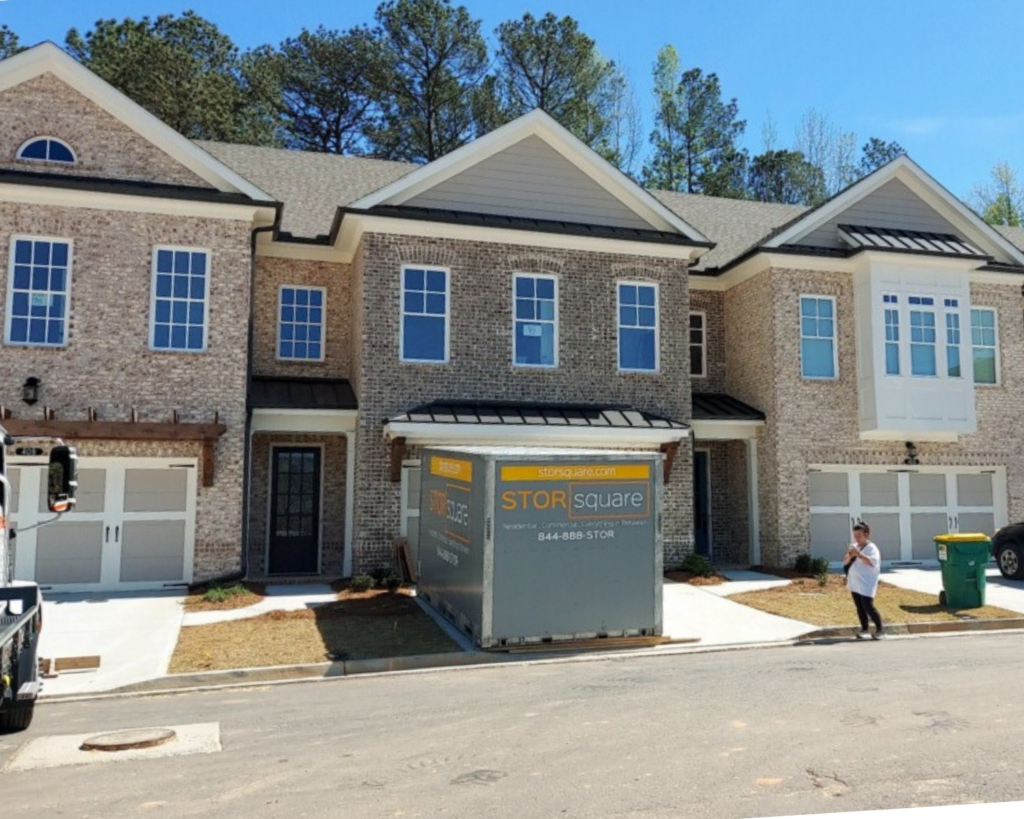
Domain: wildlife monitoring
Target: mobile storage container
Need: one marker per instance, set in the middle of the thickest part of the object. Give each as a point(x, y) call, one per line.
point(523, 545)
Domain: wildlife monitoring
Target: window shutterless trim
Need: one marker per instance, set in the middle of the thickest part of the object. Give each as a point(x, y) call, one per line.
point(835, 336)
point(323, 326)
point(703, 342)
point(657, 325)
point(8, 315)
point(515, 321)
point(153, 298)
point(995, 326)
point(48, 139)
point(426, 268)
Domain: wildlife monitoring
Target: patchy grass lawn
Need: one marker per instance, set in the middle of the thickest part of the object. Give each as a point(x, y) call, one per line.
point(361, 625)
point(224, 598)
point(830, 605)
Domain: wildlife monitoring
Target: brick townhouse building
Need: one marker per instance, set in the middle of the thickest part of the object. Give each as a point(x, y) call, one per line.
point(251, 346)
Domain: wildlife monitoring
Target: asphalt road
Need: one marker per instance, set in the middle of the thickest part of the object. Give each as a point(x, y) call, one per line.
point(770, 732)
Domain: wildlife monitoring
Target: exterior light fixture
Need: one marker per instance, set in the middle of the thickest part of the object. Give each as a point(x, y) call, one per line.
point(911, 459)
point(30, 390)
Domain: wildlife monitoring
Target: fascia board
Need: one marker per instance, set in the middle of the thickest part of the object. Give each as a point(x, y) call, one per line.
point(712, 430)
point(304, 421)
point(49, 58)
point(431, 433)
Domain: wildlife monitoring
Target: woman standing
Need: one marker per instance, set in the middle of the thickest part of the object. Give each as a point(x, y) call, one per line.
point(863, 564)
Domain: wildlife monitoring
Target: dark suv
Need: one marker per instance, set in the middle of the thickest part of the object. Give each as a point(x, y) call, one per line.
point(1008, 550)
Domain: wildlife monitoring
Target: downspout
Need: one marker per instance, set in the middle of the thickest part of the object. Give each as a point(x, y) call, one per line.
point(243, 572)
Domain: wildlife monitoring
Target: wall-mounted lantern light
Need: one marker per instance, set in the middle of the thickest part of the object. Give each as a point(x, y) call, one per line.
point(911, 459)
point(30, 390)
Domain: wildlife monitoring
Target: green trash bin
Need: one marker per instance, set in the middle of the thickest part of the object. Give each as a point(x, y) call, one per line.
point(963, 558)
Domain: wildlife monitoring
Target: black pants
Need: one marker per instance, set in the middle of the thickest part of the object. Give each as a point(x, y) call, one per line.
point(865, 609)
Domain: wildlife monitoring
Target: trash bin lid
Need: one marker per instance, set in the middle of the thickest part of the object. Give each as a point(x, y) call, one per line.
point(963, 537)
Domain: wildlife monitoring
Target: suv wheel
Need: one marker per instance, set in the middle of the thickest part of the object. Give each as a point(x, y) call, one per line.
point(1010, 561)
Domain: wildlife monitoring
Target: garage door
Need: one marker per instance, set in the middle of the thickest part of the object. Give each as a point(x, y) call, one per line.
point(905, 508)
point(133, 526)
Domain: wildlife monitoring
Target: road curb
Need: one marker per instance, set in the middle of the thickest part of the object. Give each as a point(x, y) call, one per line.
point(919, 628)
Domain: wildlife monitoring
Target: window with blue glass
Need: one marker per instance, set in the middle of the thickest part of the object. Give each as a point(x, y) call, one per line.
point(984, 345)
point(638, 327)
point(953, 367)
point(47, 149)
point(923, 338)
point(892, 334)
point(180, 291)
point(424, 314)
point(818, 337)
point(300, 326)
point(38, 294)
point(536, 321)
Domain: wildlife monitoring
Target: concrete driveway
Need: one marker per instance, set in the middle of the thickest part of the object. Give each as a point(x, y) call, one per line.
point(1006, 594)
point(133, 633)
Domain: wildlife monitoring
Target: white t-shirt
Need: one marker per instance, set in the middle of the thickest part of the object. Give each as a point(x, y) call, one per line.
point(863, 578)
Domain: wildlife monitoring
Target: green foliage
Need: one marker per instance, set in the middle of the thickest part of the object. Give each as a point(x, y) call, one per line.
point(385, 578)
point(698, 565)
point(218, 594)
point(1002, 201)
point(186, 72)
point(696, 133)
point(362, 582)
point(433, 56)
point(328, 83)
point(785, 177)
point(9, 45)
point(877, 152)
point(816, 566)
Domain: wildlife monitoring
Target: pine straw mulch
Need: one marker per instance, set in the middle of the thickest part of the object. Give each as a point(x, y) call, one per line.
point(805, 599)
point(361, 625)
point(252, 593)
point(694, 579)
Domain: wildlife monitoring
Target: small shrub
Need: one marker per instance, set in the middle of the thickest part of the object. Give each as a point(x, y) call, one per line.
point(819, 566)
point(362, 582)
point(392, 582)
point(218, 594)
point(810, 566)
point(822, 578)
point(803, 563)
point(698, 565)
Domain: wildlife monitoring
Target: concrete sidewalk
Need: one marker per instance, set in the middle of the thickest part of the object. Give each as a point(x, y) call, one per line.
point(1000, 592)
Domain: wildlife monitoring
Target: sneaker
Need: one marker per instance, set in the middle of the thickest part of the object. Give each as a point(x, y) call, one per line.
point(879, 635)
point(864, 635)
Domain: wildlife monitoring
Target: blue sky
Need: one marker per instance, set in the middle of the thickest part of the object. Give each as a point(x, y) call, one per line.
point(943, 78)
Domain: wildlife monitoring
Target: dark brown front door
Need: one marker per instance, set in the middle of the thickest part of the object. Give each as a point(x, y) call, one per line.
point(295, 511)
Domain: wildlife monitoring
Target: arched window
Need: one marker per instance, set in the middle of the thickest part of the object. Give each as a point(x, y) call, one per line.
point(47, 149)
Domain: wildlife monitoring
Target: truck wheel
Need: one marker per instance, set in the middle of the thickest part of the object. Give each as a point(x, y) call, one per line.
point(1010, 562)
point(18, 718)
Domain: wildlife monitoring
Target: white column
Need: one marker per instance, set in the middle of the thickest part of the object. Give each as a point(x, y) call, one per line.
point(753, 507)
point(350, 495)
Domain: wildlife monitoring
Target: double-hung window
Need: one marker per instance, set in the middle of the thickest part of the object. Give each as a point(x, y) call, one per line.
point(698, 345)
point(181, 278)
point(984, 345)
point(923, 336)
point(638, 326)
point(892, 333)
point(953, 341)
point(536, 320)
point(37, 298)
point(818, 337)
point(300, 324)
point(425, 315)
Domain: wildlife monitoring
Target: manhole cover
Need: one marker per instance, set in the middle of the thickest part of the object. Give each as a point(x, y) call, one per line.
point(128, 740)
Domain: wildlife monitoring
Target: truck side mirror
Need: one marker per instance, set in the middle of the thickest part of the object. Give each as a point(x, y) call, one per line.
point(63, 479)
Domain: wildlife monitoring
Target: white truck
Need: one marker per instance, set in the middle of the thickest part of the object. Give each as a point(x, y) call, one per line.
point(21, 603)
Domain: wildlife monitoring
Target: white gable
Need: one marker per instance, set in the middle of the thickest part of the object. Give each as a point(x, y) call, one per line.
point(535, 168)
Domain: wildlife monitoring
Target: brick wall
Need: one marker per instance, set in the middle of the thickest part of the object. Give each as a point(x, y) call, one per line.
point(712, 304)
point(103, 145)
point(481, 355)
point(107, 364)
point(271, 274)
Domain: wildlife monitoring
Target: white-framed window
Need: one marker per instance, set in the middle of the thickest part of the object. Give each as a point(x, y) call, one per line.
point(818, 356)
point(425, 314)
point(892, 333)
point(923, 336)
point(698, 344)
point(638, 326)
point(300, 322)
point(535, 337)
point(985, 345)
point(180, 299)
point(46, 149)
point(954, 367)
point(39, 287)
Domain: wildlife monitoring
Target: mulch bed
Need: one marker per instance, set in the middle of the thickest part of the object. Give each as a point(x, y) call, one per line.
point(695, 579)
point(195, 601)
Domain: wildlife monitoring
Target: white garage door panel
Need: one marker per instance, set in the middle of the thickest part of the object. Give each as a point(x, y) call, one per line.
point(69, 553)
point(906, 509)
point(155, 490)
point(14, 479)
point(153, 550)
point(90, 497)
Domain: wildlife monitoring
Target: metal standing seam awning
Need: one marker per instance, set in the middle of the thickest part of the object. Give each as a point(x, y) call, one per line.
point(861, 237)
point(301, 405)
point(720, 417)
point(531, 424)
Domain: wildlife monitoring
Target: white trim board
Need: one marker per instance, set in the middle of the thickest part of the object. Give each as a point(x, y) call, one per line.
point(50, 58)
point(304, 421)
point(529, 434)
